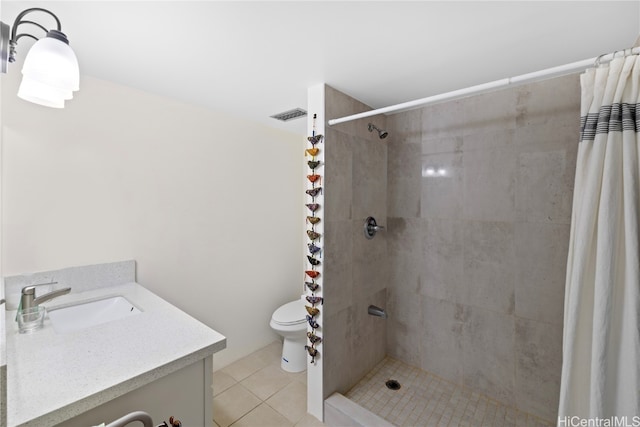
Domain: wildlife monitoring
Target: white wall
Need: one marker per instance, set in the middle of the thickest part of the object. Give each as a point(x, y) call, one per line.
point(210, 206)
point(3, 345)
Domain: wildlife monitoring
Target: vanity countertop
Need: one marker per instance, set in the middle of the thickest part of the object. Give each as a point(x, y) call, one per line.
point(56, 376)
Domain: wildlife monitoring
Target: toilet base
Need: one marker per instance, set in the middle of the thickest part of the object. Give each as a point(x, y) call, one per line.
point(294, 355)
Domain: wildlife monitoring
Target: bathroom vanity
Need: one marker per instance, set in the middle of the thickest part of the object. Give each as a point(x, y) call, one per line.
point(158, 359)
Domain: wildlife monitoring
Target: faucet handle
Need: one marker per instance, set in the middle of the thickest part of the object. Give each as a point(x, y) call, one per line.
point(28, 298)
point(31, 289)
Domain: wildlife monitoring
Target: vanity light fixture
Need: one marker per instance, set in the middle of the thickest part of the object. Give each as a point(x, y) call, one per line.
point(50, 73)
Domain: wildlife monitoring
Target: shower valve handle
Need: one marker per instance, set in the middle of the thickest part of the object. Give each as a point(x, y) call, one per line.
point(371, 227)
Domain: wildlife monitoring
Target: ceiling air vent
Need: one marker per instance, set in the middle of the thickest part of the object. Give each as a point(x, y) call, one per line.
point(290, 115)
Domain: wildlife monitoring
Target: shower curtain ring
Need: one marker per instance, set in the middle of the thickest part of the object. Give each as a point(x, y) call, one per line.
point(597, 61)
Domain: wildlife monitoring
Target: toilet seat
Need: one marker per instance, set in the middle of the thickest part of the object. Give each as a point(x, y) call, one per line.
point(289, 314)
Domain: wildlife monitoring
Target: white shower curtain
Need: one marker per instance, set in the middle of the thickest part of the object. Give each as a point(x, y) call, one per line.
point(601, 342)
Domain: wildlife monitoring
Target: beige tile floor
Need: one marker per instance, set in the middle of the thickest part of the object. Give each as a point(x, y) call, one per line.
point(256, 392)
point(427, 400)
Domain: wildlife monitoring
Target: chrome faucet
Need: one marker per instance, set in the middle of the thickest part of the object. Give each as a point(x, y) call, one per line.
point(29, 300)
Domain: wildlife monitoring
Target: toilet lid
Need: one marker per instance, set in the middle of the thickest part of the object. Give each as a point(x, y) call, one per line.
point(291, 313)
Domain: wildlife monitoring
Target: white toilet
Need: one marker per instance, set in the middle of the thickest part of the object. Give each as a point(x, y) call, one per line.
point(289, 320)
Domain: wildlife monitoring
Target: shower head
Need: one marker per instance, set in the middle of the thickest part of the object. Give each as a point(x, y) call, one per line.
point(382, 134)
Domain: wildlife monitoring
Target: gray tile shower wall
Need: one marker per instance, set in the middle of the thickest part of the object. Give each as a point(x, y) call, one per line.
point(355, 270)
point(479, 204)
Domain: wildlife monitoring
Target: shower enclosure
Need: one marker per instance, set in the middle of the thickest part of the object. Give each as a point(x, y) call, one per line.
point(476, 196)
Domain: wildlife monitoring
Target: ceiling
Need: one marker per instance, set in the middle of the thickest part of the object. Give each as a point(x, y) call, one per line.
point(255, 59)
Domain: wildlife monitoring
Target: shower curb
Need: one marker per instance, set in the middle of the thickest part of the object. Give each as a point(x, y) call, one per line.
point(342, 412)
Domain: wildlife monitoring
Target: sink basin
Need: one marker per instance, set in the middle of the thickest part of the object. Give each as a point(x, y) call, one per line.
point(91, 313)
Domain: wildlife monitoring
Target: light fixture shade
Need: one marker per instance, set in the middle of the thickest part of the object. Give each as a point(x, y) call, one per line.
point(33, 91)
point(50, 73)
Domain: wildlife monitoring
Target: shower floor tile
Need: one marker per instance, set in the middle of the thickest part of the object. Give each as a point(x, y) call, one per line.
point(427, 400)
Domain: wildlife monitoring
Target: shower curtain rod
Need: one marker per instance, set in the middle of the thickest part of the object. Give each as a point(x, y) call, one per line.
point(488, 87)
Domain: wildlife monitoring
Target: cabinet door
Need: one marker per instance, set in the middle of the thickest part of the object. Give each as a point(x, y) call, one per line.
point(185, 394)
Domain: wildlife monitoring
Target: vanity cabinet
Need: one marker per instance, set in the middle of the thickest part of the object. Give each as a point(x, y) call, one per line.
point(186, 394)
